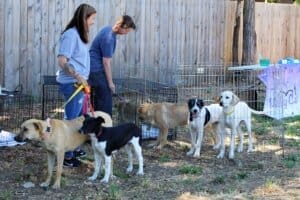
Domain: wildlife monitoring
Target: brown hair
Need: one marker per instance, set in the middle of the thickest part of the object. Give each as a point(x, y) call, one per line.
point(81, 14)
point(125, 21)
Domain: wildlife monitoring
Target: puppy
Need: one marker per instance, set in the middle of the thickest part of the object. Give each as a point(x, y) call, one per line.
point(200, 117)
point(57, 136)
point(235, 112)
point(105, 140)
point(164, 115)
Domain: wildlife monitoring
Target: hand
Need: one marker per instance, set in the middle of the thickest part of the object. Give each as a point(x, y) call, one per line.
point(112, 87)
point(81, 80)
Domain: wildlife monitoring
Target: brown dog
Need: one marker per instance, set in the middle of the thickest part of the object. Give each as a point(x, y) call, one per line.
point(165, 116)
point(58, 136)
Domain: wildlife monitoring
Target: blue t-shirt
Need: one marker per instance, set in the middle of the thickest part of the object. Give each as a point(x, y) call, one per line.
point(103, 45)
point(77, 52)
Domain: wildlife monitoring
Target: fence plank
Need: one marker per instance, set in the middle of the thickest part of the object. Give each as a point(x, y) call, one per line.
point(169, 33)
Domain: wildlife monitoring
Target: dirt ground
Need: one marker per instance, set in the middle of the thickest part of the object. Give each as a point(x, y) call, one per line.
point(169, 174)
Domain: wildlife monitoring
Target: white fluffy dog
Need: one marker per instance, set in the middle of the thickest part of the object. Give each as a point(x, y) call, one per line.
point(235, 112)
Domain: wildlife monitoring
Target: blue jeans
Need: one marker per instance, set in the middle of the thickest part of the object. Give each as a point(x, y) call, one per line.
point(74, 108)
point(101, 94)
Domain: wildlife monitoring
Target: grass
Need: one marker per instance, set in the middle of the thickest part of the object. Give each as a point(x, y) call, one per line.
point(241, 175)
point(190, 169)
point(291, 160)
point(164, 158)
point(120, 173)
point(6, 195)
point(114, 192)
point(219, 180)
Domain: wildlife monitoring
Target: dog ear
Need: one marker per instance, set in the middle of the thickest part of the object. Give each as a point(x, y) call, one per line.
point(38, 126)
point(201, 103)
point(100, 119)
point(190, 102)
point(149, 100)
point(217, 99)
point(235, 99)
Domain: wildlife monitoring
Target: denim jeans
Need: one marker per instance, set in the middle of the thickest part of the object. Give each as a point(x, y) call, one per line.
point(74, 108)
point(101, 94)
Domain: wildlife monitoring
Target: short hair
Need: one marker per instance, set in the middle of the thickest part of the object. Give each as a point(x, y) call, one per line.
point(125, 21)
point(80, 16)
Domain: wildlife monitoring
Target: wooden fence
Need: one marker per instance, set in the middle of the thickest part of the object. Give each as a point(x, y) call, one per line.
point(168, 33)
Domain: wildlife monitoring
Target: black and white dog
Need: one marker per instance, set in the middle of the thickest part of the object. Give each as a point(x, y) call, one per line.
point(200, 117)
point(105, 140)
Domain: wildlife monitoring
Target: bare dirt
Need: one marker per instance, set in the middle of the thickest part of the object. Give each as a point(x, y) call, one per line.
point(169, 174)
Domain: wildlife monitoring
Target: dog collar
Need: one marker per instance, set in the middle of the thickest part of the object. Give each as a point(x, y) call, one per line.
point(229, 113)
point(48, 128)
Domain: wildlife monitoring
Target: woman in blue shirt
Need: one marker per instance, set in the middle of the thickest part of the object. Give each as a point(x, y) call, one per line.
point(74, 62)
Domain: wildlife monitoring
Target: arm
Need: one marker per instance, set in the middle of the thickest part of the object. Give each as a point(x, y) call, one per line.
point(108, 73)
point(69, 69)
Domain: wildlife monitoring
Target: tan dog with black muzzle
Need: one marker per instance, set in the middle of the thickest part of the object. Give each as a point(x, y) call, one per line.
point(58, 136)
point(165, 115)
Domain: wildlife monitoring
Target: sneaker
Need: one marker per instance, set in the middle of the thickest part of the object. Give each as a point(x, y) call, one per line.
point(79, 153)
point(73, 162)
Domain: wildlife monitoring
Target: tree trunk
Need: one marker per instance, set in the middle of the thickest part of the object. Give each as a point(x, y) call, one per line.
point(236, 34)
point(249, 34)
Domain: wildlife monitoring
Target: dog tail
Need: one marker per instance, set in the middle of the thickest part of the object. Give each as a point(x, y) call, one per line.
point(257, 112)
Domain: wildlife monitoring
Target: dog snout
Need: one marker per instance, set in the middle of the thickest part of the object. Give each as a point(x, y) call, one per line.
point(195, 111)
point(221, 103)
point(19, 138)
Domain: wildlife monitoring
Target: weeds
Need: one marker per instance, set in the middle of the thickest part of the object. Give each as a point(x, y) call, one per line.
point(291, 160)
point(190, 169)
point(219, 180)
point(164, 158)
point(6, 195)
point(114, 192)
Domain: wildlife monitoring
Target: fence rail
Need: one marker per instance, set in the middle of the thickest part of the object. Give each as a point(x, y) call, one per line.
point(169, 33)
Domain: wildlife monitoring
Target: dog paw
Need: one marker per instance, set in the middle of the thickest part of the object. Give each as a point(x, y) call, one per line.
point(231, 156)
point(45, 184)
point(240, 149)
point(104, 180)
point(250, 150)
point(190, 152)
point(140, 173)
point(129, 169)
point(56, 186)
point(221, 155)
point(196, 155)
point(158, 147)
point(92, 178)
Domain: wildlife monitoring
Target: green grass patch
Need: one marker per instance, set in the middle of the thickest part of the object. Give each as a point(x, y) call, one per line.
point(164, 158)
point(219, 180)
point(255, 166)
point(293, 143)
point(241, 175)
point(6, 195)
point(291, 160)
point(120, 173)
point(114, 192)
point(190, 169)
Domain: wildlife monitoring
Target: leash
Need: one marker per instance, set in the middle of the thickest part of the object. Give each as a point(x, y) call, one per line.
point(87, 105)
point(86, 90)
point(119, 97)
point(70, 98)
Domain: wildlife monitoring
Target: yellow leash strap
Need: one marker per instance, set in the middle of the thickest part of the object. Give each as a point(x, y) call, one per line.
point(73, 95)
point(70, 98)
